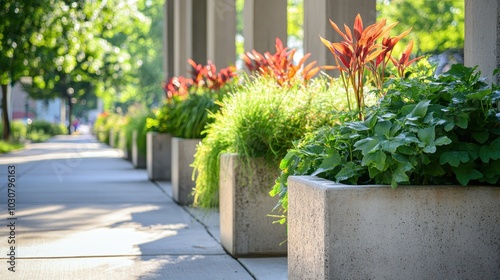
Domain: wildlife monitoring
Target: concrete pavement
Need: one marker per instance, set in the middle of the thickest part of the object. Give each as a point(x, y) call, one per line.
point(82, 212)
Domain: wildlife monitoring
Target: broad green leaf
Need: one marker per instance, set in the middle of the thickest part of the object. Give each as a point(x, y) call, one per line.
point(453, 158)
point(383, 128)
point(491, 151)
point(391, 145)
point(472, 150)
point(434, 170)
point(350, 170)
point(357, 126)
point(481, 136)
point(429, 149)
point(371, 121)
point(449, 126)
point(443, 140)
point(376, 159)
point(427, 135)
point(285, 162)
point(480, 95)
point(421, 109)
point(366, 145)
point(462, 121)
point(495, 148)
point(399, 175)
point(328, 164)
point(492, 172)
point(465, 174)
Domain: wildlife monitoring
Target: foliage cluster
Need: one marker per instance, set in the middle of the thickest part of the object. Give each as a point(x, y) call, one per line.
point(260, 120)
point(37, 131)
point(280, 65)
point(426, 130)
point(365, 49)
point(191, 99)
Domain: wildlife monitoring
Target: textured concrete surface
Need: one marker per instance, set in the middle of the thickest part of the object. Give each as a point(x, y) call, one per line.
point(85, 213)
point(482, 37)
point(244, 203)
point(183, 151)
point(159, 156)
point(376, 232)
point(138, 159)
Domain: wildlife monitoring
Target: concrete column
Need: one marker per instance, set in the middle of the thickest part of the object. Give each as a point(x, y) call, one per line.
point(482, 36)
point(221, 32)
point(182, 36)
point(316, 23)
point(190, 38)
point(199, 31)
point(263, 21)
point(168, 39)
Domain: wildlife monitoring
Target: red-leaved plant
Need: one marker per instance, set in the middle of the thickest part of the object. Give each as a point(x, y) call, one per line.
point(363, 49)
point(203, 77)
point(280, 65)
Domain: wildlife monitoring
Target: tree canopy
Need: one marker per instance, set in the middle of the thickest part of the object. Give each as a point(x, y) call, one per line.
point(437, 25)
point(78, 49)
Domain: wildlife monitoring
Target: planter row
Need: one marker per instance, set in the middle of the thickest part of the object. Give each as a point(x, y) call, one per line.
point(354, 232)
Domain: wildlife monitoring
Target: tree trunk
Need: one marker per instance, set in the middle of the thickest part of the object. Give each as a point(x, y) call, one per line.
point(70, 112)
point(5, 113)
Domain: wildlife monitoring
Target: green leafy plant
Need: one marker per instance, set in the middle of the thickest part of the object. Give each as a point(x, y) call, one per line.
point(425, 130)
point(260, 121)
point(136, 121)
point(191, 100)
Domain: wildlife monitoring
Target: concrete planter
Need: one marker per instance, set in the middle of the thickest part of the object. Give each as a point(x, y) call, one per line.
point(112, 138)
point(138, 159)
point(375, 232)
point(123, 146)
point(183, 151)
point(159, 156)
point(244, 206)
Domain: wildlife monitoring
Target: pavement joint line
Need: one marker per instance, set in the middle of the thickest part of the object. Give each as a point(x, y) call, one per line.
point(161, 189)
point(114, 256)
point(215, 239)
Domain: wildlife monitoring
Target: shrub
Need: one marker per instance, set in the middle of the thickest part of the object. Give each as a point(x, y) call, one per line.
point(19, 131)
point(136, 121)
point(191, 100)
point(260, 120)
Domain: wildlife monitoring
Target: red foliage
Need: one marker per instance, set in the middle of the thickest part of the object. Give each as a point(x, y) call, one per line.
point(279, 65)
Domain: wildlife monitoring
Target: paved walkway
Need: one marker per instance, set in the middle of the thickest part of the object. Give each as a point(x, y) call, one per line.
point(85, 213)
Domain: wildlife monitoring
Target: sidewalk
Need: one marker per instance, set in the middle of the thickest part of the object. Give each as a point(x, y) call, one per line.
point(85, 213)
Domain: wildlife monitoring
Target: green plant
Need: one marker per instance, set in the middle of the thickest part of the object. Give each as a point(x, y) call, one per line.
point(191, 100)
point(19, 131)
point(426, 130)
point(260, 121)
point(136, 121)
point(6, 147)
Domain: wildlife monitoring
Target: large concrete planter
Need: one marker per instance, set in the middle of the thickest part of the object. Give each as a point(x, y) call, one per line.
point(123, 146)
point(159, 156)
point(138, 159)
point(375, 232)
point(112, 138)
point(244, 206)
point(183, 151)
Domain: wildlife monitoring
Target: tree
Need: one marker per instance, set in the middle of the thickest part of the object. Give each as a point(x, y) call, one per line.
point(19, 30)
point(437, 25)
point(83, 58)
